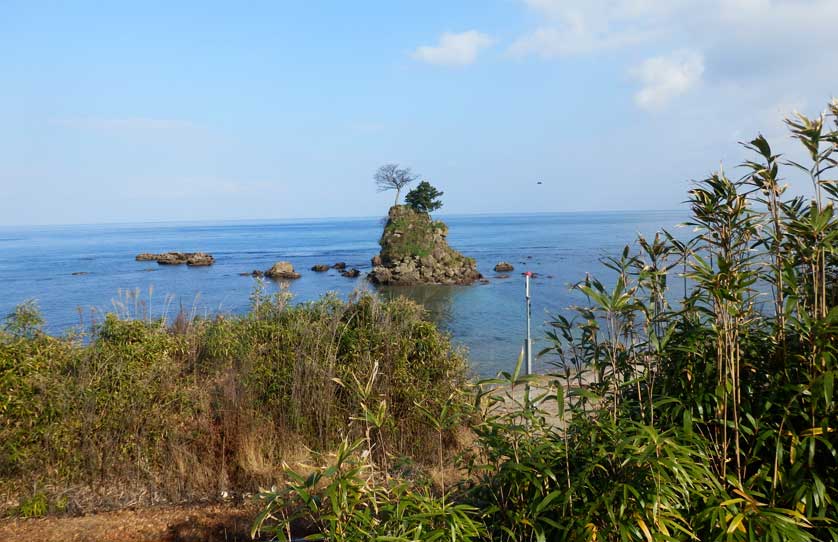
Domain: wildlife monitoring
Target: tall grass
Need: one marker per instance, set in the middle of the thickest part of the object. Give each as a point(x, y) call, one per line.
point(154, 410)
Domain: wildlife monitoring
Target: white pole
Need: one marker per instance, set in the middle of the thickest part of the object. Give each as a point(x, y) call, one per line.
point(527, 275)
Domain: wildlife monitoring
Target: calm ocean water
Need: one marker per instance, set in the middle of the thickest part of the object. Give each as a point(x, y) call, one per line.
point(39, 262)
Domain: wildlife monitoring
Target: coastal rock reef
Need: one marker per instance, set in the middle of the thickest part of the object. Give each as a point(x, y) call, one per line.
point(414, 250)
point(177, 258)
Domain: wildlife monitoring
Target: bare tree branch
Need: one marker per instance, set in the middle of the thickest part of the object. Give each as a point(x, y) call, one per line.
point(391, 177)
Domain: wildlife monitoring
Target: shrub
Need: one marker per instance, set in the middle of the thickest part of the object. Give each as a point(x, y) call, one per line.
point(189, 410)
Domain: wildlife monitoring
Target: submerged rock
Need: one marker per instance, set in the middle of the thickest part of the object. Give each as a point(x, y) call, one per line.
point(414, 250)
point(282, 270)
point(350, 273)
point(504, 267)
point(340, 266)
point(320, 268)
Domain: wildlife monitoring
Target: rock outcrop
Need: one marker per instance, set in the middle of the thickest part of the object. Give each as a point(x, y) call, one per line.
point(504, 267)
point(282, 270)
point(351, 273)
point(177, 258)
point(320, 268)
point(200, 259)
point(414, 250)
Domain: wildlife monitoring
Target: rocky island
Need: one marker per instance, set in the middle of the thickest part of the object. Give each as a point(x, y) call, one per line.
point(414, 250)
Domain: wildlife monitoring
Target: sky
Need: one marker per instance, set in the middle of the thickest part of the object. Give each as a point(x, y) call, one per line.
point(158, 111)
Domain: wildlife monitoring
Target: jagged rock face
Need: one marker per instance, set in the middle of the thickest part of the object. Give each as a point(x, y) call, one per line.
point(414, 250)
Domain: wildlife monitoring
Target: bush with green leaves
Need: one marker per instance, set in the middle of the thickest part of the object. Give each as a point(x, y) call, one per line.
point(726, 344)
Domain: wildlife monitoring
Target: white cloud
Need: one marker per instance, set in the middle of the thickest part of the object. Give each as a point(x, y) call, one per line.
point(572, 27)
point(758, 51)
point(666, 77)
point(569, 27)
point(551, 42)
point(454, 49)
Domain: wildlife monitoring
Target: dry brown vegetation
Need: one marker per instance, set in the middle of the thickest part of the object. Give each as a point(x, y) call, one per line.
point(142, 412)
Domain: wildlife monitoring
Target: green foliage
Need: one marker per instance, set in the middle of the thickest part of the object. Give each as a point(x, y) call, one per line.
point(424, 198)
point(407, 234)
point(25, 321)
point(348, 501)
point(200, 406)
point(34, 507)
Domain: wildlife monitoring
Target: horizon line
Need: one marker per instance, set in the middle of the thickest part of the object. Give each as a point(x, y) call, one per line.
point(323, 218)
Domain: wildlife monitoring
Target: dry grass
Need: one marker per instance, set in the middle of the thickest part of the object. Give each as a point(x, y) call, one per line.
point(148, 413)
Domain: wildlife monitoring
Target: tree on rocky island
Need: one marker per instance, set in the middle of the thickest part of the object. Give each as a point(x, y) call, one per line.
point(392, 177)
point(424, 198)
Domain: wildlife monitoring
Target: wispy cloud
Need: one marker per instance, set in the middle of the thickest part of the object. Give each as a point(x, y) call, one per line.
point(665, 77)
point(454, 49)
point(132, 125)
point(571, 28)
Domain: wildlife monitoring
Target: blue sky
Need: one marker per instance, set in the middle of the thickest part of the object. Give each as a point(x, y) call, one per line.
point(151, 111)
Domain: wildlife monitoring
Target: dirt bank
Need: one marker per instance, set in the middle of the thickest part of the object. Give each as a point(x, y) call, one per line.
point(200, 523)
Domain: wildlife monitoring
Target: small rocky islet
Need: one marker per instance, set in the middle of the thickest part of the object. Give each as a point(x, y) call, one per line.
point(414, 250)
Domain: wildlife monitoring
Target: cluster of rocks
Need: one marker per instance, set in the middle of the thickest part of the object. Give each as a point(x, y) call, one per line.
point(339, 266)
point(414, 250)
point(285, 271)
point(177, 258)
point(279, 270)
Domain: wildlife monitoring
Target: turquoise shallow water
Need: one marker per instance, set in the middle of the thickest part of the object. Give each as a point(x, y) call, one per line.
point(39, 262)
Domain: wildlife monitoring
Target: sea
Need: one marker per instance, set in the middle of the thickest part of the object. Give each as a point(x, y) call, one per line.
point(78, 273)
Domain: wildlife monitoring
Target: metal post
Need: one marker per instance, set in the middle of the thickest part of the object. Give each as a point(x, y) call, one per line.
point(528, 345)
